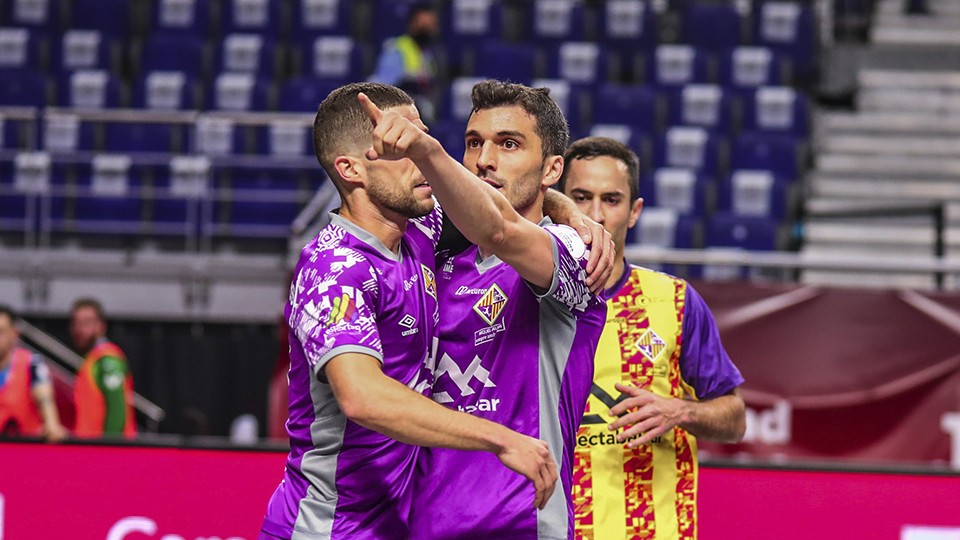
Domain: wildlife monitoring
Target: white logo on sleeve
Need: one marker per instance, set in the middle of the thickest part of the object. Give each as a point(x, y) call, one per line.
point(571, 240)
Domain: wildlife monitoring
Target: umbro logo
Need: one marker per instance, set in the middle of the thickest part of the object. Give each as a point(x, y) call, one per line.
point(408, 321)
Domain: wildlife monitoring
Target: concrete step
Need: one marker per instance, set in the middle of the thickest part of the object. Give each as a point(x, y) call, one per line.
point(938, 8)
point(932, 102)
point(911, 32)
point(866, 280)
point(890, 145)
point(868, 237)
point(916, 79)
point(838, 186)
point(905, 167)
point(893, 123)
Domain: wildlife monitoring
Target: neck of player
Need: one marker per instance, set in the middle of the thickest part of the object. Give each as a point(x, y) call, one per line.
point(386, 225)
point(619, 264)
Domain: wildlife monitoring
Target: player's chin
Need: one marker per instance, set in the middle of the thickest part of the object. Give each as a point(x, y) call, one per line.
point(422, 207)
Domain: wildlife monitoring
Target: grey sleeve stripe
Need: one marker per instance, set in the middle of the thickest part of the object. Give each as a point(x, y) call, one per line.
point(336, 351)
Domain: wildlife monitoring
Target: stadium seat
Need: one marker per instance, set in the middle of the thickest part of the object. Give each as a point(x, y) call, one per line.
point(20, 49)
point(238, 92)
point(782, 155)
point(109, 197)
point(755, 193)
point(515, 62)
point(702, 105)
point(664, 227)
point(250, 16)
point(166, 91)
point(745, 232)
point(82, 49)
point(467, 24)
point(553, 21)
point(682, 190)
point(789, 28)
point(259, 202)
point(180, 192)
point(450, 134)
point(674, 66)
point(181, 17)
point(24, 88)
point(632, 136)
point(66, 133)
point(90, 89)
point(172, 52)
point(457, 102)
point(246, 53)
point(312, 18)
point(744, 69)
point(777, 110)
point(688, 147)
point(579, 63)
point(304, 94)
point(633, 105)
point(332, 58)
point(143, 137)
point(36, 15)
point(285, 139)
point(216, 137)
point(711, 26)
point(22, 179)
point(108, 16)
point(628, 26)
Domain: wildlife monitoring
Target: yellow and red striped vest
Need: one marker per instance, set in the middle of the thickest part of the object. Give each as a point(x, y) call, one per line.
point(16, 399)
point(648, 492)
point(91, 407)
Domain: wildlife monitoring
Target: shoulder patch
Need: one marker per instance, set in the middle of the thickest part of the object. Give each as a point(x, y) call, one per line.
point(570, 239)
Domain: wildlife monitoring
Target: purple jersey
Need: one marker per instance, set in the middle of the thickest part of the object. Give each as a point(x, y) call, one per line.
point(350, 294)
point(520, 357)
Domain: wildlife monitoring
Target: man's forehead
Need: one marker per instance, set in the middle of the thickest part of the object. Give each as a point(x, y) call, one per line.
point(508, 118)
point(594, 174)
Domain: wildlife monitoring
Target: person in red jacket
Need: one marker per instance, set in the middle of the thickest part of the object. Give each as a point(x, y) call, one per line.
point(104, 386)
point(27, 405)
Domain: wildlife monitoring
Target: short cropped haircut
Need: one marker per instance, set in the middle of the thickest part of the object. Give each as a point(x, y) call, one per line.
point(592, 147)
point(341, 127)
point(551, 126)
point(92, 303)
point(7, 311)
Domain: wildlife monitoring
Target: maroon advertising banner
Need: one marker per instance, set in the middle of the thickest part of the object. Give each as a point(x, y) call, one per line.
point(843, 374)
point(79, 492)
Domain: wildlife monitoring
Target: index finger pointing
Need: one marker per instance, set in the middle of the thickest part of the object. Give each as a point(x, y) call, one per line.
point(369, 108)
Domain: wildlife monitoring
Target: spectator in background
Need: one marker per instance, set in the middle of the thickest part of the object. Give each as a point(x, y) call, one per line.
point(407, 61)
point(27, 405)
point(104, 386)
point(660, 373)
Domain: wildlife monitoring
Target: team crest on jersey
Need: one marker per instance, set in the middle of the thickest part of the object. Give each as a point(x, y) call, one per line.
point(491, 304)
point(429, 281)
point(651, 345)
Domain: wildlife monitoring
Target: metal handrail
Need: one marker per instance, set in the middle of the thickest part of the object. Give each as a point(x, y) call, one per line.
point(56, 350)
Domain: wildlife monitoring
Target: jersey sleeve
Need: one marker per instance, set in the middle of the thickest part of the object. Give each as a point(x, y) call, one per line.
point(569, 284)
point(333, 307)
point(110, 373)
point(431, 224)
point(704, 364)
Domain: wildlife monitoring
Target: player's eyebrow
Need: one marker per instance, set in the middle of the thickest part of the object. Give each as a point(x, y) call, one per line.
point(506, 133)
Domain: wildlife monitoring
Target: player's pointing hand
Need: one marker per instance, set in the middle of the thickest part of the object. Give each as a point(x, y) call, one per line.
point(394, 135)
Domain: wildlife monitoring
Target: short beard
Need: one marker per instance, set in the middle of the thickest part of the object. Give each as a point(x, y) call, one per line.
point(405, 205)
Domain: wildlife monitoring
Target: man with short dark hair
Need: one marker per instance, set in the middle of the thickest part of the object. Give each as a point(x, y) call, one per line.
point(103, 389)
point(27, 406)
point(661, 374)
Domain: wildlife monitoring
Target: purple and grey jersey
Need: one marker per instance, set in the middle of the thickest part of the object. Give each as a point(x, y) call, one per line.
point(520, 356)
point(350, 294)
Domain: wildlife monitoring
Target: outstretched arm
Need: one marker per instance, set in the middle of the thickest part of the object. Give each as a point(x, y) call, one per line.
point(721, 419)
point(564, 211)
point(482, 213)
point(375, 401)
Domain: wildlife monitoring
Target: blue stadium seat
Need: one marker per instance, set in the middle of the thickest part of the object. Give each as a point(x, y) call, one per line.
point(390, 20)
point(637, 139)
point(679, 189)
point(216, 137)
point(82, 49)
point(109, 16)
point(702, 105)
point(777, 110)
point(756, 193)
point(172, 52)
point(181, 17)
point(789, 28)
point(744, 69)
point(259, 202)
point(333, 57)
point(674, 66)
point(783, 155)
point(66, 133)
point(238, 92)
point(745, 232)
point(20, 49)
point(143, 137)
point(628, 26)
point(553, 21)
point(108, 197)
point(450, 134)
point(90, 89)
point(246, 53)
point(24, 88)
point(165, 90)
point(711, 26)
point(312, 18)
point(285, 139)
point(688, 147)
point(304, 94)
point(664, 227)
point(37, 15)
point(515, 62)
point(633, 105)
point(244, 16)
point(180, 193)
point(580, 63)
point(467, 24)
point(10, 134)
point(457, 103)
point(18, 209)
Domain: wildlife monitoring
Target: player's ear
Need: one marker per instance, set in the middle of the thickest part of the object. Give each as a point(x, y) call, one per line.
point(551, 170)
point(635, 209)
point(351, 170)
